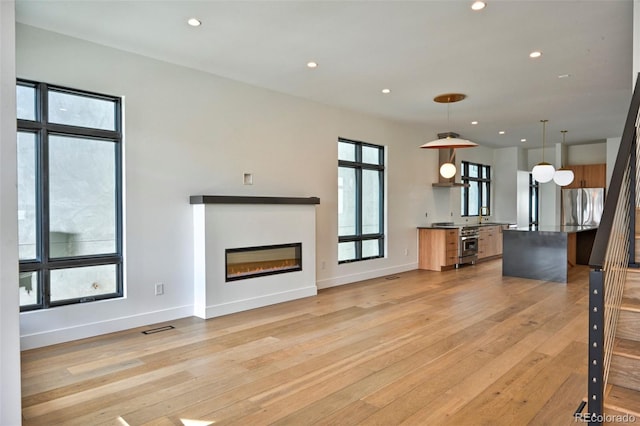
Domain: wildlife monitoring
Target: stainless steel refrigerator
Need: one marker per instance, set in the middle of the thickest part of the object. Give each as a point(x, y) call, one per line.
point(582, 206)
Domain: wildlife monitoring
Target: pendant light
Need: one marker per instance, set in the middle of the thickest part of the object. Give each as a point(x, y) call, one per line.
point(543, 172)
point(563, 177)
point(448, 170)
point(451, 140)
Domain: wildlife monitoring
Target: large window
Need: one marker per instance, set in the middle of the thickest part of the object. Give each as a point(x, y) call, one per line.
point(69, 195)
point(476, 197)
point(360, 201)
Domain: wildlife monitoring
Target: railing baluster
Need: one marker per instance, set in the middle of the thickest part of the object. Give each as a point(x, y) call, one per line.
point(596, 343)
point(613, 251)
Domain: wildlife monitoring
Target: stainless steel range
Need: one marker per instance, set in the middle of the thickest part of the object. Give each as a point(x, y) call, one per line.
point(468, 245)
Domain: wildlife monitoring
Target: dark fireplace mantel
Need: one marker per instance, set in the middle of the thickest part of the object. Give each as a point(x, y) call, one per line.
point(239, 199)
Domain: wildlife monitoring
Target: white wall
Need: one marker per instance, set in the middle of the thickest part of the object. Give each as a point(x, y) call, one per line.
point(549, 204)
point(588, 153)
point(593, 153)
point(506, 184)
point(523, 198)
point(10, 413)
point(188, 133)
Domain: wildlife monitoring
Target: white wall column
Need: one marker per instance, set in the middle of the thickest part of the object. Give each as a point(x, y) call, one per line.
point(9, 300)
point(232, 222)
point(505, 184)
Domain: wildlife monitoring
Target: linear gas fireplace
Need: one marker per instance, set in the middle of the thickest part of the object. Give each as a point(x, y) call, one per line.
point(251, 262)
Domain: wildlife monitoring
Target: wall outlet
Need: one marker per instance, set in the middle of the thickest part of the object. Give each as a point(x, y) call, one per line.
point(159, 289)
point(323, 264)
point(406, 252)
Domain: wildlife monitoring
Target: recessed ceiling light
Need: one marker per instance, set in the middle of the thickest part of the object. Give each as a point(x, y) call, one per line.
point(478, 5)
point(312, 64)
point(564, 76)
point(535, 54)
point(194, 22)
point(474, 122)
point(385, 91)
point(501, 132)
point(523, 140)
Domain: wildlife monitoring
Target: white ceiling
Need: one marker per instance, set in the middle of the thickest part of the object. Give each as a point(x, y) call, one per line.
point(418, 49)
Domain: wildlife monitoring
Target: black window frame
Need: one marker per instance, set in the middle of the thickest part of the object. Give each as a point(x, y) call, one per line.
point(466, 179)
point(534, 194)
point(43, 264)
point(358, 165)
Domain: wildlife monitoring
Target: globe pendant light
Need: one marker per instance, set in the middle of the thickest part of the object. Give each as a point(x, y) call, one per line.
point(543, 172)
point(451, 141)
point(448, 170)
point(562, 176)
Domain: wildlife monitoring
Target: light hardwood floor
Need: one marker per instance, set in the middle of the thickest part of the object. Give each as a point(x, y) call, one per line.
point(462, 347)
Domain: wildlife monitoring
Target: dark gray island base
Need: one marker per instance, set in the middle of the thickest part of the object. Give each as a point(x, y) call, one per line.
point(546, 253)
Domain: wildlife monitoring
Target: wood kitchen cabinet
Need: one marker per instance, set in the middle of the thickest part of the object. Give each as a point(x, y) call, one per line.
point(588, 176)
point(437, 248)
point(489, 241)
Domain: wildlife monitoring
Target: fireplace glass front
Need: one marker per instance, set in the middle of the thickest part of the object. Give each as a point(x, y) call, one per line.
point(250, 262)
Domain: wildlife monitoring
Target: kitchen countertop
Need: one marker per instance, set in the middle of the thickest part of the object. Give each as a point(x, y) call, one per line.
point(558, 229)
point(462, 225)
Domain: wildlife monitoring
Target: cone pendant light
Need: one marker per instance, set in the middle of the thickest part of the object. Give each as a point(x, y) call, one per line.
point(451, 140)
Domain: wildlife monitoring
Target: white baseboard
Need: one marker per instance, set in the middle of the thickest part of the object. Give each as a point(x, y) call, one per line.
point(51, 337)
point(361, 276)
point(258, 302)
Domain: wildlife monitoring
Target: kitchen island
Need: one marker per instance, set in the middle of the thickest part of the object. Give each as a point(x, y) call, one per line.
point(546, 252)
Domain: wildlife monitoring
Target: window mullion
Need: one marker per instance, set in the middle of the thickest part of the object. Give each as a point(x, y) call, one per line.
point(43, 179)
point(119, 203)
point(381, 202)
point(359, 209)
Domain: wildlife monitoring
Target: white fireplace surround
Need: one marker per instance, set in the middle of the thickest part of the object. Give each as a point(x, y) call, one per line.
point(224, 222)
